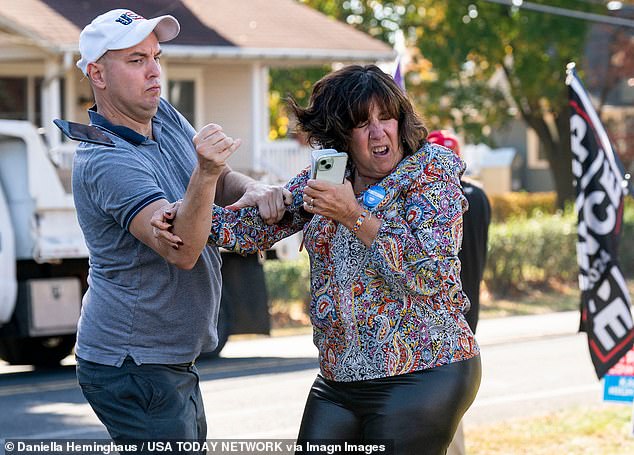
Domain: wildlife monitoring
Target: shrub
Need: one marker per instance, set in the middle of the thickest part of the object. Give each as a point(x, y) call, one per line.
point(521, 205)
point(288, 281)
point(531, 251)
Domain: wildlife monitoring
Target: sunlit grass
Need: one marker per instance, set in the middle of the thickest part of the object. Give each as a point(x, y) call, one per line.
point(602, 430)
point(558, 297)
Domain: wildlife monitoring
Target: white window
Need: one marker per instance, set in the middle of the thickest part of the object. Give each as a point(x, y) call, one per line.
point(185, 92)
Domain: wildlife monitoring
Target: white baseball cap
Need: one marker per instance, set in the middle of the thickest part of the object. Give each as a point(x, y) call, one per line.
point(121, 29)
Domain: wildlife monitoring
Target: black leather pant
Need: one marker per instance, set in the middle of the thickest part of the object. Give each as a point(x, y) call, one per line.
point(416, 412)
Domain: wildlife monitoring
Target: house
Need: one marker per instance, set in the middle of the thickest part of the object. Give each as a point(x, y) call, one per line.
point(215, 70)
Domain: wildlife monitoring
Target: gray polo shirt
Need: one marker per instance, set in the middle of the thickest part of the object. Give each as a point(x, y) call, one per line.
point(137, 303)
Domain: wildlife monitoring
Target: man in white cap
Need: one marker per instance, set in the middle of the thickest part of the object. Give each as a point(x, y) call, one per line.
point(150, 309)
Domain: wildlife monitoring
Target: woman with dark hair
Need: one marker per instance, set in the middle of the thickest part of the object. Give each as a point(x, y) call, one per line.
point(398, 361)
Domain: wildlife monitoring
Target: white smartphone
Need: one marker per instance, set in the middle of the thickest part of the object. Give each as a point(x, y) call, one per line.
point(329, 165)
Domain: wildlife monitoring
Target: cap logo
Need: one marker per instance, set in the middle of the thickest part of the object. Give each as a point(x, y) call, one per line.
point(127, 18)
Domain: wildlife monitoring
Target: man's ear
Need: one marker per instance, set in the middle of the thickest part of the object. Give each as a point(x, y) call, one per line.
point(95, 72)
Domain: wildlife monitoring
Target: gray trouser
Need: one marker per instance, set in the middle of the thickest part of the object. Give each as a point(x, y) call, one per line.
point(145, 402)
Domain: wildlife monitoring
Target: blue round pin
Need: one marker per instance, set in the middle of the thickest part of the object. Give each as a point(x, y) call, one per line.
point(373, 196)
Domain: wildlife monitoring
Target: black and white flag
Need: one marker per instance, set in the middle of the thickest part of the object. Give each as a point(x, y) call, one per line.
point(600, 189)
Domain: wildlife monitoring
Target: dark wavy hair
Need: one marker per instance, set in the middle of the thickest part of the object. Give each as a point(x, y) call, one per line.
point(341, 100)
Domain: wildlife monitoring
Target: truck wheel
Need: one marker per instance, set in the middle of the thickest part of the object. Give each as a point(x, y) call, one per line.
point(41, 351)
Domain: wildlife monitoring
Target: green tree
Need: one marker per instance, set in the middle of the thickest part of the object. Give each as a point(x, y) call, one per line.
point(477, 64)
point(289, 82)
point(524, 52)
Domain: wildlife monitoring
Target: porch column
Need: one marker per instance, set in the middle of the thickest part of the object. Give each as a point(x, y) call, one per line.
point(259, 112)
point(71, 96)
point(51, 101)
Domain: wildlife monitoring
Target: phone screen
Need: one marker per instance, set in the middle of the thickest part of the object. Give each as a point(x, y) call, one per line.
point(85, 133)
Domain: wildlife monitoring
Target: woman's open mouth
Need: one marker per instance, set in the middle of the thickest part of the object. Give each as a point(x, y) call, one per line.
point(380, 151)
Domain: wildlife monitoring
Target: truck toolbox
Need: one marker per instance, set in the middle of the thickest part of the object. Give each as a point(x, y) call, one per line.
point(53, 306)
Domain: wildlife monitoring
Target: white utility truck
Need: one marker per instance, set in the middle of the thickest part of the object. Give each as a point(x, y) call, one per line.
point(43, 257)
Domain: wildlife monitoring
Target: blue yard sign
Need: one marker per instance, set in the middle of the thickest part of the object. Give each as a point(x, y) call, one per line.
point(618, 384)
point(618, 388)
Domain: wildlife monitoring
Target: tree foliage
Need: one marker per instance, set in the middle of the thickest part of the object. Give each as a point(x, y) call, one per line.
point(477, 64)
point(289, 82)
point(525, 53)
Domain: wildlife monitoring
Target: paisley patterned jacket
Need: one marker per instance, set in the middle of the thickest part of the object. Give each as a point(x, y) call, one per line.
point(394, 307)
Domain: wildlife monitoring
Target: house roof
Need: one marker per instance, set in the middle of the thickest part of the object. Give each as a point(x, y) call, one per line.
point(232, 28)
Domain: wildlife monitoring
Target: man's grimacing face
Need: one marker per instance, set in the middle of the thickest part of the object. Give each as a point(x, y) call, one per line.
point(132, 79)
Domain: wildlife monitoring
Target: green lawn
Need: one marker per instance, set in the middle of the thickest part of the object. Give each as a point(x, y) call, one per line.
point(602, 430)
point(558, 297)
point(533, 301)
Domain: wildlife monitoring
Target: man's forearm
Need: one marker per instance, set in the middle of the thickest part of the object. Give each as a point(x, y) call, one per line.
point(191, 227)
point(235, 190)
point(194, 216)
point(231, 186)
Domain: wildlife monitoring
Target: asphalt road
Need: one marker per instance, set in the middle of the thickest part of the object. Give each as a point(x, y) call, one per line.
point(258, 387)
